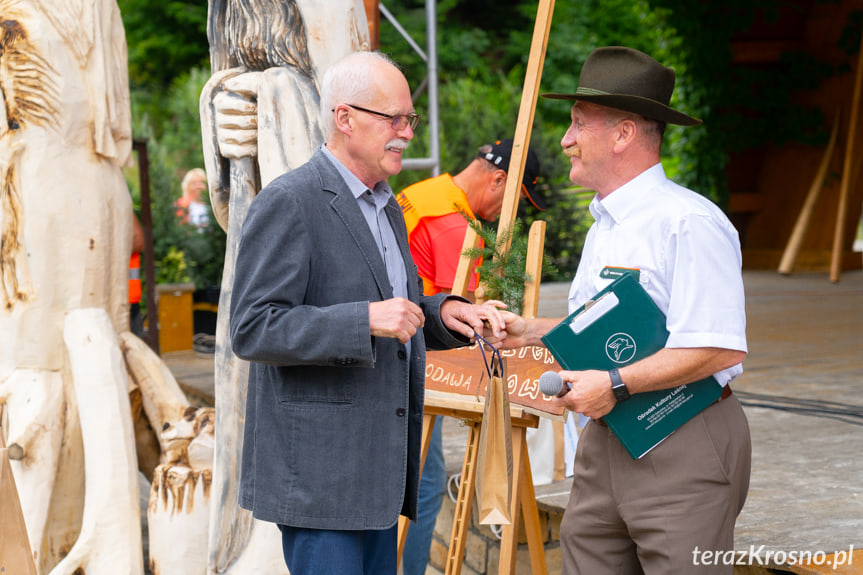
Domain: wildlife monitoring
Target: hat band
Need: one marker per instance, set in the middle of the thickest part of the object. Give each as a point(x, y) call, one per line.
point(590, 92)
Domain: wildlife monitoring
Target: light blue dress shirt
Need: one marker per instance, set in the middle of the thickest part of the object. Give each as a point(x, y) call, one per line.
point(372, 203)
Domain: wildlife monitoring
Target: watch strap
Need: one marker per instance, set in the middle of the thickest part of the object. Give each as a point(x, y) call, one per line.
point(621, 393)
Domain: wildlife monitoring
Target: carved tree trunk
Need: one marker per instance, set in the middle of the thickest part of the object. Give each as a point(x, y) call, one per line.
point(66, 226)
point(274, 90)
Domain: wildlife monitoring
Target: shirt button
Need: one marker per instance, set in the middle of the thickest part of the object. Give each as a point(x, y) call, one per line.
point(400, 412)
point(402, 354)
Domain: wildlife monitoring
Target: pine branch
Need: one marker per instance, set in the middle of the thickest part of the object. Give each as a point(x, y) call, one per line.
point(503, 271)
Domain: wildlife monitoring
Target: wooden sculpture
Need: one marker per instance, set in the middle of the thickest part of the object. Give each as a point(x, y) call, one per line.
point(260, 117)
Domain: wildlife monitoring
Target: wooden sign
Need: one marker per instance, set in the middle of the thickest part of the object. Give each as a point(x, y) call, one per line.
point(462, 371)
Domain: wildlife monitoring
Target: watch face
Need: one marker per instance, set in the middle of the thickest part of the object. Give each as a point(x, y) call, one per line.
point(620, 392)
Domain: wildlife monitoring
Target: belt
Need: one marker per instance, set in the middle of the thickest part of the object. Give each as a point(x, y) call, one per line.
point(726, 393)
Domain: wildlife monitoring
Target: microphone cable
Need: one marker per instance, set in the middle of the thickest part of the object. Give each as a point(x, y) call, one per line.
point(843, 412)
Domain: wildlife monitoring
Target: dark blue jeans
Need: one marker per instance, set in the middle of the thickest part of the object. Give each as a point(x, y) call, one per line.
point(323, 552)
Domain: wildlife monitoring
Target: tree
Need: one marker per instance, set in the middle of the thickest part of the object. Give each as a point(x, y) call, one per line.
point(166, 38)
point(482, 53)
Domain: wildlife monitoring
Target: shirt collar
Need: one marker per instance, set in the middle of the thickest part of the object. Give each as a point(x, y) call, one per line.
point(630, 197)
point(380, 193)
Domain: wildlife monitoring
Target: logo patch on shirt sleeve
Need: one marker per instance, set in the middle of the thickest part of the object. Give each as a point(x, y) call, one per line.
point(612, 273)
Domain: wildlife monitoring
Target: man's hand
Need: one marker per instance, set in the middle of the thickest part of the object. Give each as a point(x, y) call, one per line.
point(397, 318)
point(521, 331)
point(467, 318)
point(237, 116)
point(590, 393)
point(516, 330)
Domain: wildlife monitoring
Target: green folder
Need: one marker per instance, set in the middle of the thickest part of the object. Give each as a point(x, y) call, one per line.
point(619, 326)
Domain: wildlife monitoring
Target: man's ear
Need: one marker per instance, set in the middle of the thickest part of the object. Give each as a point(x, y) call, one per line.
point(626, 131)
point(498, 179)
point(343, 121)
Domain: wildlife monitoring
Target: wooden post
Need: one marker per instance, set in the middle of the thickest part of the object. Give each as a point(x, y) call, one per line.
point(152, 335)
point(839, 236)
point(461, 281)
point(524, 125)
point(789, 256)
point(373, 16)
point(535, 249)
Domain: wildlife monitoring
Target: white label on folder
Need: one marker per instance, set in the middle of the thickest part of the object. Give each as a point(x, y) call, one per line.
point(592, 313)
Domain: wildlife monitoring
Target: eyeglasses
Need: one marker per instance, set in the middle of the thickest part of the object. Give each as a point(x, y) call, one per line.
point(399, 121)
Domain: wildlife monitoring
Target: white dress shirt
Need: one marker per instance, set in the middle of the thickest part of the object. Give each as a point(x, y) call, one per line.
point(688, 256)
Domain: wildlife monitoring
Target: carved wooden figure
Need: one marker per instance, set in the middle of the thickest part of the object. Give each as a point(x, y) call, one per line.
point(68, 362)
point(260, 118)
point(65, 209)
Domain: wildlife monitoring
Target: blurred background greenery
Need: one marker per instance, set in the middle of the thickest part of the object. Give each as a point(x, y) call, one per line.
point(483, 47)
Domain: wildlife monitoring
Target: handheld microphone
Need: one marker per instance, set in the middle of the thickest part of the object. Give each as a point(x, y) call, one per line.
point(550, 383)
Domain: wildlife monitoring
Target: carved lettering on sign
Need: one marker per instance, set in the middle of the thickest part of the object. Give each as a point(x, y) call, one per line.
point(462, 371)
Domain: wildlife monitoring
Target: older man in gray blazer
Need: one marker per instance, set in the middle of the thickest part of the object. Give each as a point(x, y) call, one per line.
point(328, 308)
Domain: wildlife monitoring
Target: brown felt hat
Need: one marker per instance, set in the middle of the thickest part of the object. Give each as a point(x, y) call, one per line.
point(626, 79)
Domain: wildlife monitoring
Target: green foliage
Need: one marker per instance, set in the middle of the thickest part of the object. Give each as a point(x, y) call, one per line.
point(180, 134)
point(174, 147)
point(483, 48)
point(165, 39)
point(502, 270)
point(743, 107)
point(173, 268)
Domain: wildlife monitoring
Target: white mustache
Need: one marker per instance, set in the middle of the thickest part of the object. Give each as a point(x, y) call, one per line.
point(572, 151)
point(397, 144)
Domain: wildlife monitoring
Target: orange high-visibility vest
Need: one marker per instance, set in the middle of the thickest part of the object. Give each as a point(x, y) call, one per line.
point(135, 278)
point(431, 198)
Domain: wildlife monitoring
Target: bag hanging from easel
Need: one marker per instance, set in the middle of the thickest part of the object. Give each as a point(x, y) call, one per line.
point(494, 459)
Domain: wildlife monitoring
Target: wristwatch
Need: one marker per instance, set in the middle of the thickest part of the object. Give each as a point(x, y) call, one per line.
point(617, 386)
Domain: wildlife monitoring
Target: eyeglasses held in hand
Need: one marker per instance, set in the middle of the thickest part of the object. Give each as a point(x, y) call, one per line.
point(399, 121)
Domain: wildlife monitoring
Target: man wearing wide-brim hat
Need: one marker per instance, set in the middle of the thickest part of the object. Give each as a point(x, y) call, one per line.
point(657, 514)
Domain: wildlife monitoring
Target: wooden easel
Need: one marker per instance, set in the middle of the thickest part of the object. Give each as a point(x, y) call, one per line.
point(523, 495)
point(471, 412)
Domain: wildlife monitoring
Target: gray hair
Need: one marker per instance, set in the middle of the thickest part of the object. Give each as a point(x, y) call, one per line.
point(652, 129)
point(350, 80)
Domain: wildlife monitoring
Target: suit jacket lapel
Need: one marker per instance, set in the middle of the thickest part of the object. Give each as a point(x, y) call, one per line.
point(397, 222)
point(345, 206)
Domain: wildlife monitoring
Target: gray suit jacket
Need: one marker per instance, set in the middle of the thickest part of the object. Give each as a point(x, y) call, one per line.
point(333, 415)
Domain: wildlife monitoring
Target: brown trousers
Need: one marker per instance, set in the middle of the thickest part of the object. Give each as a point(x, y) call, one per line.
point(657, 514)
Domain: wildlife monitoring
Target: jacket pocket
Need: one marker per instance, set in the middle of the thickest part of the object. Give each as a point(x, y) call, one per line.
point(298, 385)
